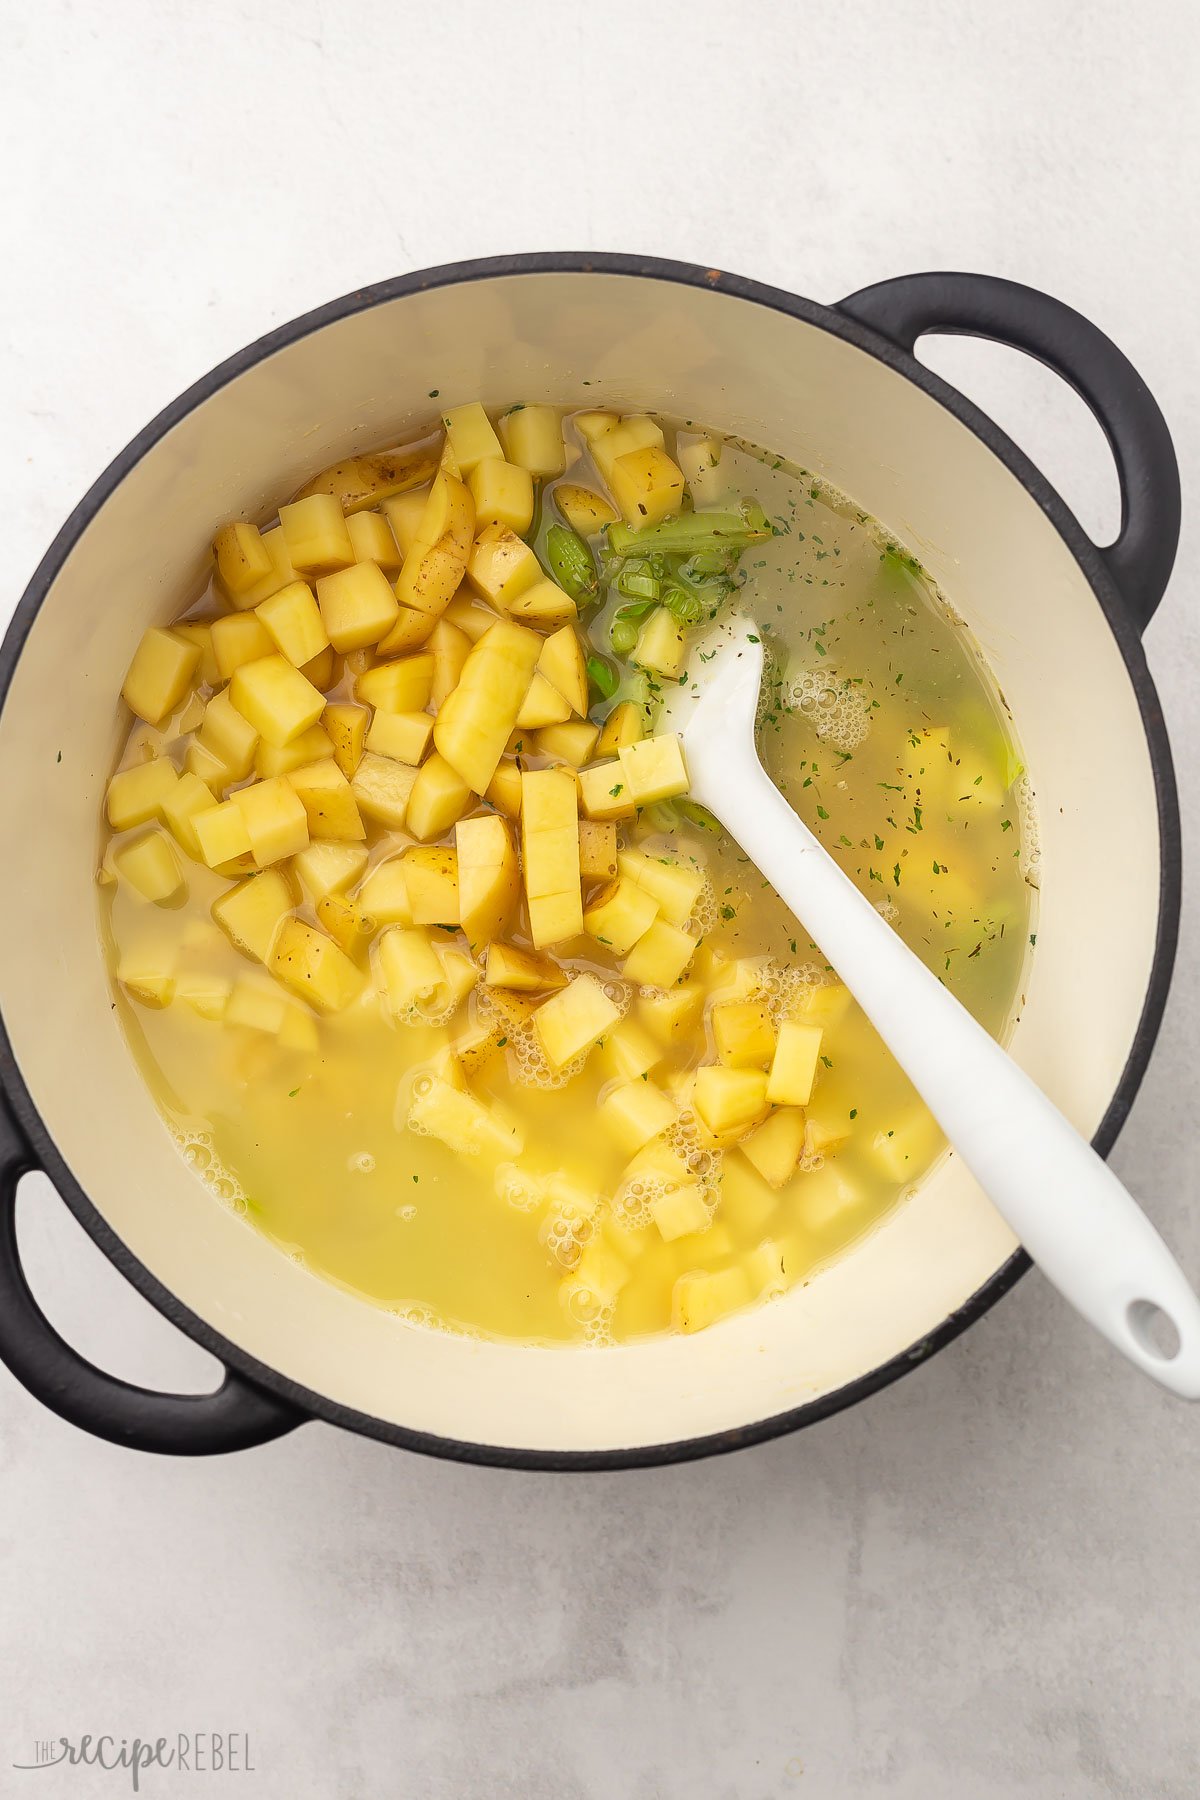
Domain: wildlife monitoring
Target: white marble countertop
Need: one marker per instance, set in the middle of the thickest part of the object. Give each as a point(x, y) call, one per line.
point(984, 1581)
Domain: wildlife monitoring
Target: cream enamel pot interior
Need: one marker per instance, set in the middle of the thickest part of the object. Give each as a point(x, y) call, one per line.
point(836, 389)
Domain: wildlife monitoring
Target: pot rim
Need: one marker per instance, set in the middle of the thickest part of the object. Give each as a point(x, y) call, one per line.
point(1120, 622)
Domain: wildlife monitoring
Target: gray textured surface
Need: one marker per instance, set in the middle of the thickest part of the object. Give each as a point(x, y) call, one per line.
point(984, 1582)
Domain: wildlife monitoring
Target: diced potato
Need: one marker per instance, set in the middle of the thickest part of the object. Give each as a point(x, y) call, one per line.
point(161, 673)
point(311, 746)
point(330, 868)
point(314, 967)
point(281, 573)
point(362, 481)
point(404, 513)
point(550, 855)
point(347, 728)
point(594, 425)
point(634, 1112)
point(489, 881)
point(449, 648)
point(256, 1005)
point(825, 1131)
point(681, 1211)
point(275, 819)
point(524, 971)
point(239, 638)
point(382, 788)
point(572, 1021)
point(403, 686)
point(671, 1014)
point(475, 720)
point(403, 736)
point(207, 767)
point(431, 880)
point(543, 705)
point(504, 790)
point(460, 972)
point(150, 866)
point(462, 1121)
point(619, 915)
point(147, 979)
point(358, 606)
point(599, 1275)
point(826, 1005)
point(545, 605)
point(373, 540)
point(637, 431)
point(654, 768)
point(222, 833)
point(503, 494)
point(294, 622)
point(276, 699)
point(439, 797)
point(178, 810)
point(227, 734)
point(199, 632)
point(675, 885)
point(699, 1298)
point(824, 1194)
point(533, 439)
point(241, 557)
point(410, 632)
point(904, 1150)
point(647, 485)
point(744, 1034)
point(409, 968)
point(794, 1067)
point(384, 894)
point(622, 727)
point(661, 646)
point(135, 795)
point(562, 663)
point(315, 535)
point(554, 918)
point(470, 616)
point(470, 436)
point(746, 1203)
point(328, 800)
point(597, 849)
point(206, 994)
point(584, 510)
point(573, 743)
point(252, 912)
point(774, 1148)
point(434, 567)
point(604, 792)
point(698, 456)
point(501, 566)
point(730, 1101)
point(630, 1052)
point(346, 921)
point(660, 956)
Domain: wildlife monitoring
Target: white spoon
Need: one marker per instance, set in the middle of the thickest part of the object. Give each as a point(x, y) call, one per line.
point(1088, 1235)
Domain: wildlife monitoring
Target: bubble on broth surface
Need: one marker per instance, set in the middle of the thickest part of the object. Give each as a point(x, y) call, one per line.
point(887, 909)
point(199, 1155)
point(1031, 843)
point(704, 913)
point(362, 1162)
point(785, 989)
point(839, 710)
point(519, 1187)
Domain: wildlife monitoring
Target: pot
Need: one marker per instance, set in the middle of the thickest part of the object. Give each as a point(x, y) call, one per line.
point(836, 389)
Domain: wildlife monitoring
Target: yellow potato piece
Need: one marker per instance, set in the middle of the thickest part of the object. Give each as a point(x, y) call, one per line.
point(604, 792)
point(584, 510)
point(489, 880)
point(405, 736)
point(661, 646)
point(619, 914)
point(346, 725)
point(403, 686)
point(699, 1299)
point(330, 868)
point(275, 819)
point(533, 439)
point(135, 795)
point(150, 866)
point(634, 1112)
point(252, 912)
point(362, 481)
point(314, 967)
point(544, 604)
point(502, 493)
point(431, 881)
point(358, 606)
point(562, 664)
point(382, 788)
point(730, 1101)
point(241, 556)
point(743, 1033)
point(315, 535)
point(439, 796)
point(476, 718)
point(660, 956)
point(160, 675)
point(276, 699)
point(774, 1148)
point(647, 485)
point(573, 1020)
point(794, 1067)
point(328, 801)
point(524, 971)
point(374, 541)
point(654, 768)
point(294, 623)
point(622, 727)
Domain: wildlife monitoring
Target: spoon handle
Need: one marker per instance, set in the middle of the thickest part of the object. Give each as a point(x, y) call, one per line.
point(1077, 1221)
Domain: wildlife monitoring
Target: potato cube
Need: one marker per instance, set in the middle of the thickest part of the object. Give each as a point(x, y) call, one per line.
point(372, 540)
point(774, 1148)
point(294, 622)
point(904, 1150)
point(604, 792)
point(503, 494)
point(489, 881)
point(545, 605)
point(206, 994)
point(314, 967)
point(403, 736)
point(630, 1052)
point(634, 1112)
point(358, 606)
point(410, 632)
point(654, 768)
point(572, 1021)
point(594, 425)
point(584, 510)
point(346, 921)
point(252, 912)
point(794, 1067)
point(676, 886)
point(239, 638)
point(548, 801)
point(403, 513)
point(597, 850)
point(315, 535)
point(825, 1132)
point(543, 705)
point(524, 971)
point(382, 788)
point(699, 1297)
point(636, 431)
point(135, 795)
point(501, 566)
point(199, 632)
point(554, 918)
point(311, 746)
point(330, 868)
point(463, 1122)
point(619, 915)
point(347, 729)
point(562, 663)
point(660, 956)
point(533, 439)
point(681, 1211)
point(504, 790)
point(470, 436)
point(439, 796)
point(150, 866)
point(431, 880)
point(256, 1005)
point(384, 894)
point(672, 1013)
point(179, 808)
point(160, 675)
point(328, 800)
point(572, 743)
point(222, 833)
point(475, 720)
point(597, 1277)
point(361, 481)
point(744, 1035)
point(230, 737)
point(730, 1101)
point(661, 646)
point(449, 648)
point(276, 699)
point(275, 819)
point(147, 979)
point(241, 557)
point(435, 565)
point(402, 686)
point(470, 616)
point(827, 1004)
point(460, 972)
point(409, 968)
point(647, 485)
point(622, 727)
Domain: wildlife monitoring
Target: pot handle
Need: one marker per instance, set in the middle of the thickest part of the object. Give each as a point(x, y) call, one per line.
point(987, 306)
point(236, 1416)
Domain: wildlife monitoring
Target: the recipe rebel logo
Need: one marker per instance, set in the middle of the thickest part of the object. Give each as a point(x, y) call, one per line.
point(187, 1753)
